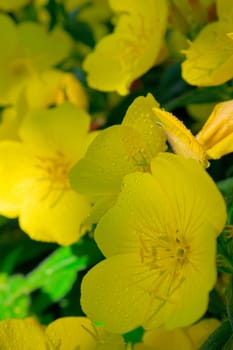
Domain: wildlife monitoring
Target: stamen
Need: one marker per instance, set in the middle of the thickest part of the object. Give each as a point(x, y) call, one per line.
point(53, 171)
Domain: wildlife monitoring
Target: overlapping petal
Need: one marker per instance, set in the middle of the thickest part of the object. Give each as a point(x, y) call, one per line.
point(131, 50)
point(159, 239)
point(24, 57)
point(117, 151)
point(209, 57)
point(34, 172)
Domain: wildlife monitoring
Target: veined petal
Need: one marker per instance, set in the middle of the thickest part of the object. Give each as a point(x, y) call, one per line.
point(22, 334)
point(200, 269)
point(115, 292)
point(53, 215)
point(209, 59)
point(140, 116)
point(217, 133)
point(141, 208)
point(115, 152)
point(195, 190)
point(131, 50)
point(180, 138)
point(222, 148)
point(16, 173)
point(170, 225)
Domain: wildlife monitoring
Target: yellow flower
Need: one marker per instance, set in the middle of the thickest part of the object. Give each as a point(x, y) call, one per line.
point(190, 15)
point(209, 59)
point(27, 51)
point(133, 47)
point(160, 242)
point(34, 174)
point(190, 338)
point(214, 140)
point(52, 88)
point(117, 151)
point(216, 135)
point(68, 333)
point(180, 138)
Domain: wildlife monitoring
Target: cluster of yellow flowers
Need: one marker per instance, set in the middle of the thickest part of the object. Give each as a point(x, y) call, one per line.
point(157, 214)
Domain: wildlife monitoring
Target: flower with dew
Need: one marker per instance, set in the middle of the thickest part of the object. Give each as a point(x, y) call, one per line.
point(189, 338)
point(23, 57)
point(73, 333)
point(209, 58)
point(159, 240)
point(117, 151)
point(34, 174)
point(214, 140)
point(132, 49)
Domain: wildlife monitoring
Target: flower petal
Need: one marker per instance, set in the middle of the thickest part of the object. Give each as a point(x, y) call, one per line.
point(53, 216)
point(16, 172)
point(180, 138)
point(140, 116)
point(209, 59)
point(61, 129)
point(22, 334)
point(71, 333)
point(131, 50)
point(196, 194)
point(115, 152)
point(112, 293)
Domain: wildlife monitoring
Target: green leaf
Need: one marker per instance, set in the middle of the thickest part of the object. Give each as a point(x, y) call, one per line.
point(56, 275)
point(219, 338)
point(62, 261)
point(14, 301)
point(201, 95)
point(229, 344)
point(225, 253)
point(226, 187)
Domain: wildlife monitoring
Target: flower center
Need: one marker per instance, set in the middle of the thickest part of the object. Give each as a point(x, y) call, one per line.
point(54, 173)
point(162, 253)
point(166, 256)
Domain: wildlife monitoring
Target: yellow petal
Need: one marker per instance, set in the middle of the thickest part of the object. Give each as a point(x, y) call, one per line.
point(162, 339)
point(22, 334)
point(140, 116)
point(109, 293)
point(200, 331)
point(209, 59)
point(197, 185)
point(54, 87)
point(72, 333)
point(62, 129)
point(170, 225)
point(216, 135)
point(53, 215)
point(180, 138)
point(49, 48)
point(224, 10)
point(119, 150)
point(131, 50)
point(16, 172)
point(115, 152)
